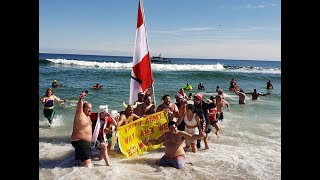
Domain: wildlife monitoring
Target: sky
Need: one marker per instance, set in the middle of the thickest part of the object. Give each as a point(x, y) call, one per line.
point(213, 29)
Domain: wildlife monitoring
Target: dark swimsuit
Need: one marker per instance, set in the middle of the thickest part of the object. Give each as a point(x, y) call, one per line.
point(49, 113)
point(82, 150)
point(49, 103)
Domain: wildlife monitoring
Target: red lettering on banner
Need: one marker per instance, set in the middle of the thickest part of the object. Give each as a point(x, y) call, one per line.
point(129, 138)
point(152, 118)
point(129, 152)
point(134, 124)
point(132, 150)
point(163, 127)
point(141, 144)
point(146, 132)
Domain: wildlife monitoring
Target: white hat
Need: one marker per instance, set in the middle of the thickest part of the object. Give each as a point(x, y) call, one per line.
point(114, 113)
point(103, 108)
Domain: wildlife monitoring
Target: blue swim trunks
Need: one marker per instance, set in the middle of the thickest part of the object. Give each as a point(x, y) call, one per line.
point(177, 162)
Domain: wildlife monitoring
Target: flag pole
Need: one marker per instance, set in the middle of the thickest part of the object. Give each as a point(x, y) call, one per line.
point(154, 96)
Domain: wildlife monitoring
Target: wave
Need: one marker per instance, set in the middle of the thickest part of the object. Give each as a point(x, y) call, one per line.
point(166, 67)
point(45, 62)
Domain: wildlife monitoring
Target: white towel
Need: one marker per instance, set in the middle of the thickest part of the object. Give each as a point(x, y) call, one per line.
point(98, 126)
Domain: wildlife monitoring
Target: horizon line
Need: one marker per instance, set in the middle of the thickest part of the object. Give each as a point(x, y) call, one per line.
point(166, 57)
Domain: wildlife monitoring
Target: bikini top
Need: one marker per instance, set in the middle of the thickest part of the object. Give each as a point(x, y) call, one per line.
point(49, 103)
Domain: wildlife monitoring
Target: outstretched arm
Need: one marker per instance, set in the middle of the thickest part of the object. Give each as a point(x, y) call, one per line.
point(80, 104)
point(57, 99)
point(191, 137)
point(180, 119)
point(122, 119)
point(114, 122)
point(161, 139)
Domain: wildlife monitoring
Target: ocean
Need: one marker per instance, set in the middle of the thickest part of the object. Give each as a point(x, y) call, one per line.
point(249, 146)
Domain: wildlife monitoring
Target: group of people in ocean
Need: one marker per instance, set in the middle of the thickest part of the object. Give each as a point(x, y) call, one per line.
point(191, 118)
point(55, 84)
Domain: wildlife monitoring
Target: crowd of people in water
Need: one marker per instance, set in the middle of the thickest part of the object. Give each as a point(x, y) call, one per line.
point(191, 118)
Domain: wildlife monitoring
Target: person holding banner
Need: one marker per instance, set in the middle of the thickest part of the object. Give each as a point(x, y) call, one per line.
point(174, 139)
point(168, 107)
point(146, 108)
point(127, 116)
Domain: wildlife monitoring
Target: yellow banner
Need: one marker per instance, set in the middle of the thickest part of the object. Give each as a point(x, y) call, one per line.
point(132, 135)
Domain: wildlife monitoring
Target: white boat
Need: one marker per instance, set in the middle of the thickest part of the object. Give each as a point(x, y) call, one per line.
point(159, 59)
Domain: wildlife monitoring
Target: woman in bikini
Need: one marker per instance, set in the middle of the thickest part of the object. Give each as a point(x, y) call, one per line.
point(48, 107)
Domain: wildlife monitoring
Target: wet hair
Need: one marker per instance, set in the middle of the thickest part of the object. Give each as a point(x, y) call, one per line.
point(49, 89)
point(172, 123)
point(165, 96)
point(146, 96)
point(85, 104)
point(212, 98)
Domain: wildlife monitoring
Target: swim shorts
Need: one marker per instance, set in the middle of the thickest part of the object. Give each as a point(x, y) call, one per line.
point(177, 162)
point(82, 150)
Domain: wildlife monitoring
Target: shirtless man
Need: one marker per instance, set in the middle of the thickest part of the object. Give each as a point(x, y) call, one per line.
point(146, 108)
point(242, 96)
point(255, 94)
point(174, 139)
point(127, 116)
point(220, 91)
point(82, 132)
point(169, 107)
point(220, 103)
point(181, 103)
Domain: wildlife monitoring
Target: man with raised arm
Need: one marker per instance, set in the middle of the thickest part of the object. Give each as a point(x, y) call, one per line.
point(82, 132)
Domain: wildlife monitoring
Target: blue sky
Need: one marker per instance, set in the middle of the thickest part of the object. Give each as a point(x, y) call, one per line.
point(217, 29)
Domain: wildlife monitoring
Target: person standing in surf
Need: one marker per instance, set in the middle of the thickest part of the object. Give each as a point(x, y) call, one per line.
point(48, 105)
point(82, 132)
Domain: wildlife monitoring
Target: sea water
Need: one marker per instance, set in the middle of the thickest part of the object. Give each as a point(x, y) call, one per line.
point(249, 146)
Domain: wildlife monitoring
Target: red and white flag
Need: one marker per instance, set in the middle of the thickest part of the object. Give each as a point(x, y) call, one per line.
point(141, 74)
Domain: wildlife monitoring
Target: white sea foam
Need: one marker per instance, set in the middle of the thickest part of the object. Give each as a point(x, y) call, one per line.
point(166, 67)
